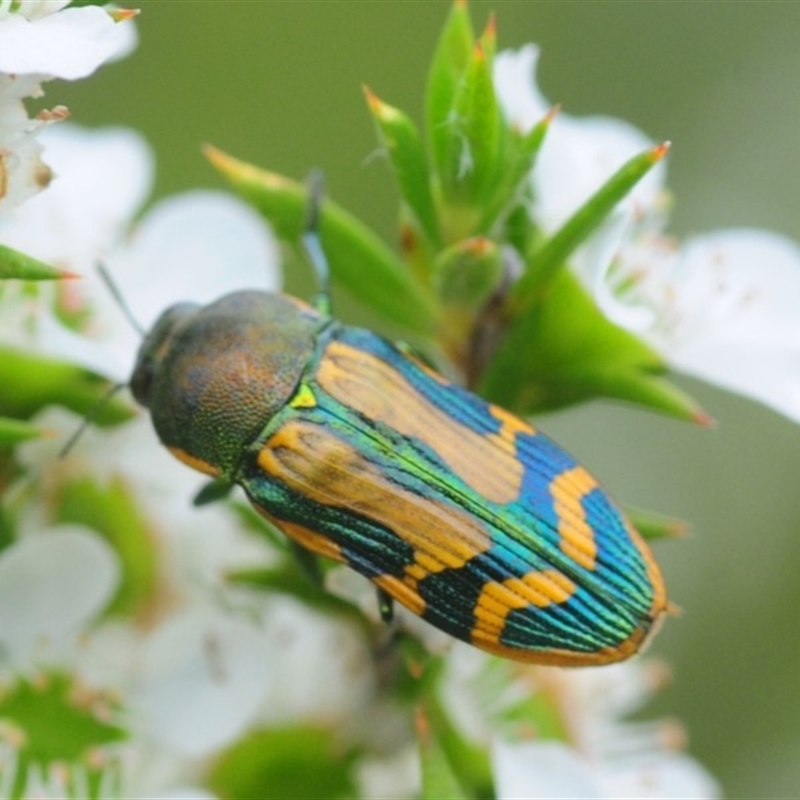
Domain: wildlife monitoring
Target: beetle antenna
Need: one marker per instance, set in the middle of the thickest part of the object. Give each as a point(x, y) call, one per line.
point(119, 299)
point(90, 417)
point(312, 241)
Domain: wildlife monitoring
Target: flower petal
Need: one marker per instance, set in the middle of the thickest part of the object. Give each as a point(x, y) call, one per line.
point(204, 675)
point(668, 776)
point(51, 585)
point(579, 153)
point(22, 172)
point(102, 178)
point(541, 771)
point(195, 247)
point(727, 313)
point(515, 81)
point(70, 44)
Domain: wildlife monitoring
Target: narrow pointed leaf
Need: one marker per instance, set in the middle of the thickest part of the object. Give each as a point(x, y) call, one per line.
point(566, 351)
point(552, 255)
point(488, 40)
point(452, 56)
point(29, 382)
point(358, 259)
point(404, 146)
point(472, 166)
point(8, 527)
point(652, 525)
point(13, 431)
point(438, 779)
point(14, 264)
point(290, 580)
point(416, 248)
point(469, 763)
point(518, 166)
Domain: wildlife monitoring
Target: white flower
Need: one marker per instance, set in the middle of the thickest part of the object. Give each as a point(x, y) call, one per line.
point(102, 178)
point(607, 757)
point(552, 770)
point(48, 40)
point(41, 40)
point(22, 172)
point(204, 676)
point(51, 586)
point(721, 306)
point(195, 246)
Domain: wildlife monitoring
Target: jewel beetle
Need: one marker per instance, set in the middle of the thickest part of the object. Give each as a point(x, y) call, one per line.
point(457, 509)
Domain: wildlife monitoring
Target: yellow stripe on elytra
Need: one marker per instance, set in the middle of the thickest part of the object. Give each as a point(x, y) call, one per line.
point(498, 599)
point(194, 462)
point(325, 469)
point(568, 491)
point(510, 425)
point(486, 463)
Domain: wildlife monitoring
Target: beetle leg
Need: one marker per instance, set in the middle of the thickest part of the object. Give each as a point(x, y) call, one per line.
point(312, 242)
point(307, 562)
point(385, 605)
point(211, 492)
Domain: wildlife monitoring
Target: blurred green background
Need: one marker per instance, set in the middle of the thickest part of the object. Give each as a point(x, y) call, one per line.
point(279, 83)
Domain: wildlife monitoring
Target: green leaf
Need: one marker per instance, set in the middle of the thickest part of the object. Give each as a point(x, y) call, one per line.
point(14, 264)
point(14, 431)
point(63, 725)
point(112, 512)
point(291, 580)
point(513, 714)
point(416, 248)
point(8, 527)
point(517, 229)
point(466, 274)
point(488, 40)
point(358, 259)
point(549, 257)
point(292, 763)
point(652, 525)
point(468, 762)
point(255, 523)
point(464, 277)
point(566, 350)
point(404, 146)
point(522, 151)
point(453, 54)
point(439, 782)
point(30, 382)
point(474, 155)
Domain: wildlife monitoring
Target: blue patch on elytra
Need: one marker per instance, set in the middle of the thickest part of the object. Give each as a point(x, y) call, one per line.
point(619, 562)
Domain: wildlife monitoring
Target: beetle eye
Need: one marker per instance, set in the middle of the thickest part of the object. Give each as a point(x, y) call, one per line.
point(141, 380)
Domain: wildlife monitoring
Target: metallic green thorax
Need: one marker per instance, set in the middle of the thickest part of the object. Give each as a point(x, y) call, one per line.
point(212, 376)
